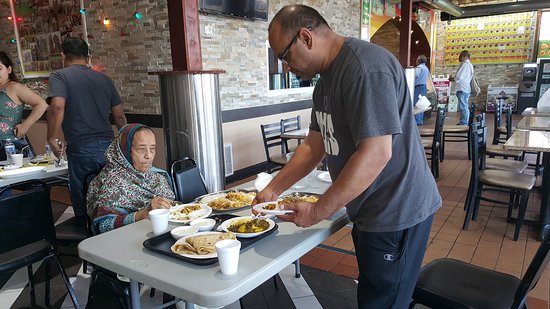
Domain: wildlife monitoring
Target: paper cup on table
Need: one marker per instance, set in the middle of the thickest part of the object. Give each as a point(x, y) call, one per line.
point(17, 159)
point(228, 255)
point(159, 220)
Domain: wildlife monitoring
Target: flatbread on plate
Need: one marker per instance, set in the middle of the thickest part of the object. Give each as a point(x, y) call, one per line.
point(200, 244)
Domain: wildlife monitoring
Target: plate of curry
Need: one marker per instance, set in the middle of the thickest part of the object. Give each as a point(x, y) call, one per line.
point(247, 227)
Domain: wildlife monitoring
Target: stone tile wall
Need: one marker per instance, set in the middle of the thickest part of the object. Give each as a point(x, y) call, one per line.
point(238, 46)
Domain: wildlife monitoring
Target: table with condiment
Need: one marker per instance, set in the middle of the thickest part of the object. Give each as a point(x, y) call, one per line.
point(122, 251)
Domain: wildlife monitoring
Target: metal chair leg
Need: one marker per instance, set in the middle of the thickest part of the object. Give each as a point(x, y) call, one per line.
point(67, 282)
point(297, 273)
point(31, 285)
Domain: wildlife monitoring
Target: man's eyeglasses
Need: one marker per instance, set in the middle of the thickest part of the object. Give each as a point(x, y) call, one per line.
point(283, 56)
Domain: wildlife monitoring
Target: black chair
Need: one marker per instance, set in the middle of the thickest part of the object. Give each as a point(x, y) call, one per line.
point(27, 234)
point(518, 185)
point(432, 147)
point(457, 133)
point(449, 283)
point(188, 182)
point(271, 134)
point(77, 228)
point(290, 124)
point(498, 128)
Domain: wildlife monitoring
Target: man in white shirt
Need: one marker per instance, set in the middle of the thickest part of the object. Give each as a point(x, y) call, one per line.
point(463, 77)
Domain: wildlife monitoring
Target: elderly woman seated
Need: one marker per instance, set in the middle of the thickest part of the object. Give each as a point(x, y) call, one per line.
point(129, 186)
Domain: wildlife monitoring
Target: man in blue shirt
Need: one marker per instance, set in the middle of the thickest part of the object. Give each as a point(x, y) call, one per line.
point(421, 74)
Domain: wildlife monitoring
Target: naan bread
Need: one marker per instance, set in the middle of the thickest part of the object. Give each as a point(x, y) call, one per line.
point(201, 244)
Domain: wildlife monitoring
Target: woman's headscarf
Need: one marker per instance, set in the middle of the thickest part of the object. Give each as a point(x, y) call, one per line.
point(120, 190)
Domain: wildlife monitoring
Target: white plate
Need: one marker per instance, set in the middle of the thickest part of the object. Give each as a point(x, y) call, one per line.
point(204, 212)
point(324, 176)
point(207, 198)
point(276, 212)
point(193, 256)
point(22, 172)
point(225, 224)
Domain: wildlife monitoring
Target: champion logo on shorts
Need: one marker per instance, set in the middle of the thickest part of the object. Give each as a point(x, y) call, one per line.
point(388, 257)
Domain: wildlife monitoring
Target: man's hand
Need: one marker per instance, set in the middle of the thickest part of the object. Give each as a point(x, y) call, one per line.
point(266, 195)
point(304, 214)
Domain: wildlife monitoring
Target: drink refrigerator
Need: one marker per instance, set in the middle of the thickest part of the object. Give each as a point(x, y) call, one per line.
point(543, 78)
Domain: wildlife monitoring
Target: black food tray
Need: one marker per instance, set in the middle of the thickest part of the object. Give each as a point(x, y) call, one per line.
point(162, 243)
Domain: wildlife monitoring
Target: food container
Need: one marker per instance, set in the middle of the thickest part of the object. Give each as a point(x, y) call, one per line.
point(182, 231)
point(205, 224)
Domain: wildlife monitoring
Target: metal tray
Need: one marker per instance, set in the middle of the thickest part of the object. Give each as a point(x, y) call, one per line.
point(219, 211)
point(162, 243)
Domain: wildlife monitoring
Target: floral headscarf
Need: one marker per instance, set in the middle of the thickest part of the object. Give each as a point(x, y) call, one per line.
point(120, 190)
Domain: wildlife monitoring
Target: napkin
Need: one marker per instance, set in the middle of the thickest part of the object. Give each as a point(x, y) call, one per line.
point(423, 102)
point(262, 181)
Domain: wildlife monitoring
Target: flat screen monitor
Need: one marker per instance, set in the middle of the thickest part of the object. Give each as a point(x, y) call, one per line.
point(249, 9)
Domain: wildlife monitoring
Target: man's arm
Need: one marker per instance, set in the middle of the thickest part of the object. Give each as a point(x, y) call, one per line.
point(56, 113)
point(118, 116)
point(358, 174)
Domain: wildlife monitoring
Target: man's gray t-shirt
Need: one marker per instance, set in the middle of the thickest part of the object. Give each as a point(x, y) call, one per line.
point(89, 97)
point(364, 94)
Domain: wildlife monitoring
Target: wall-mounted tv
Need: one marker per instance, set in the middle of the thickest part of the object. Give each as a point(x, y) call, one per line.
point(249, 9)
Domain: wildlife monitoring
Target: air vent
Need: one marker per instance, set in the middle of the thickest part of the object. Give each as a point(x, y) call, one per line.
point(228, 158)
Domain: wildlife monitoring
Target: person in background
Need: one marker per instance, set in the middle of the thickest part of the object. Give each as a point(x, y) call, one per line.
point(421, 74)
point(80, 102)
point(362, 119)
point(13, 97)
point(129, 186)
point(463, 77)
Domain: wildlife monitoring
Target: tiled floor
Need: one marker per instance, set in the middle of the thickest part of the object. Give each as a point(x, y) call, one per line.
point(488, 241)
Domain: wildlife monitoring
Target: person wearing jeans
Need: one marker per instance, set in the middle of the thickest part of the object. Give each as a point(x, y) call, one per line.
point(81, 101)
point(463, 77)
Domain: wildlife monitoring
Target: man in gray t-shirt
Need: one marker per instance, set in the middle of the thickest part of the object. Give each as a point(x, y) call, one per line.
point(362, 120)
point(81, 101)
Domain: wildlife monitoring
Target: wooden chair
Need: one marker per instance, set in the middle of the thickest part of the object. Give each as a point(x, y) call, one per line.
point(271, 134)
point(450, 283)
point(431, 146)
point(516, 184)
point(27, 234)
point(457, 133)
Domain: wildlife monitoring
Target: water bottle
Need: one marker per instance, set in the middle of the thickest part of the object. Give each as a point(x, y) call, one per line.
point(48, 151)
point(10, 150)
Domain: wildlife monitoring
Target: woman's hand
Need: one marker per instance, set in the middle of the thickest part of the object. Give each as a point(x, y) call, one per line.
point(20, 130)
point(159, 202)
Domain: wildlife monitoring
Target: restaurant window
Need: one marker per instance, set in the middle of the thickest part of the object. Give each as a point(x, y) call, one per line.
point(281, 83)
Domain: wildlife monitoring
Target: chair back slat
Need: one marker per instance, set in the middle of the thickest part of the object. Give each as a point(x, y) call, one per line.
point(290, 124)
point(26, 216)
point(534, 272)
point(187, 180)
point(271, 134)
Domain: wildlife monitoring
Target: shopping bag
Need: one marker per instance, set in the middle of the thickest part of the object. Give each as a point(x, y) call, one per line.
point(474, 86)
point(423, 102)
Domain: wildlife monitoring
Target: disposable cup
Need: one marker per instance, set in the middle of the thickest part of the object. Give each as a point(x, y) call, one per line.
point(159, 220)
point(228, 255)
point(17, 159)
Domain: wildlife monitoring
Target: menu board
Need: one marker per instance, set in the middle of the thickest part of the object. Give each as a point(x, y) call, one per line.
point(41, 27)
point(544, 49)
point(490, 40)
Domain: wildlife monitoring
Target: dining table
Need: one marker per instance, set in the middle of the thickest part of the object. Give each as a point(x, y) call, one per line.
point(536, 141)
point(537, 111)
point(122, 251)
point(534, 123)
point(48, 171)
